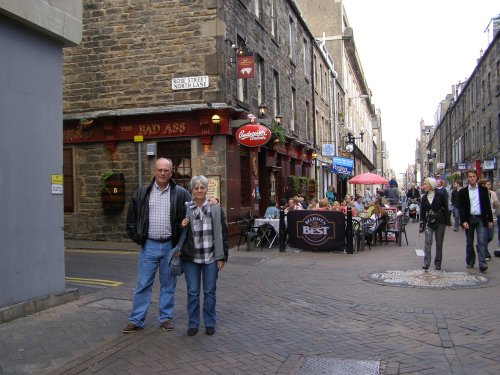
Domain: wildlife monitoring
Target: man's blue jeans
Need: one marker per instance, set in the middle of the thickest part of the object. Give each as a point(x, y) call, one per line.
point(476, 225)
point(456, 217)
point(193, 272)
point(153, 255)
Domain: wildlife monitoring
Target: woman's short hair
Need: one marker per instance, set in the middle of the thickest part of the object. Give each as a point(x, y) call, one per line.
point(195, 180)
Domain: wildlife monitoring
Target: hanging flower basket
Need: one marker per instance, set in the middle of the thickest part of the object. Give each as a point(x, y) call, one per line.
point(86, 122)
point(112, 186)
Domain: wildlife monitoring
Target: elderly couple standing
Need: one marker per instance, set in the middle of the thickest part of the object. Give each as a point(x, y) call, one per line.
point(155, 220)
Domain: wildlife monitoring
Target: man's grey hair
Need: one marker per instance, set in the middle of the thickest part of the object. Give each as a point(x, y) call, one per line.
point(195, 180)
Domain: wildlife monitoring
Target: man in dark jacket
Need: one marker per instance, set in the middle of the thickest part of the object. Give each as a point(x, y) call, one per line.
point(475, 215)
point(413, 192)
point(154, 222)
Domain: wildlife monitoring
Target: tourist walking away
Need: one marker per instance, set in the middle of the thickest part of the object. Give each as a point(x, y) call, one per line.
point(476, 218)
point(434, 215)
point(204, 255)
point(455, 205)
point(154, 222)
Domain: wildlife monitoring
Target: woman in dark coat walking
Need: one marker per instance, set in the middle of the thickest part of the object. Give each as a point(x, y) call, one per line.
point(435, 217)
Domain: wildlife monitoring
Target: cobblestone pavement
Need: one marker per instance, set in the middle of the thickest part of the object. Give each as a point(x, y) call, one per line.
point(275, 312)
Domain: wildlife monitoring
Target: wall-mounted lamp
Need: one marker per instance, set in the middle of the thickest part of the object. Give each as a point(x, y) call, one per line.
point(278, 118)
point(262, 110)
point(314, 155)
point(216, 122)
point(364, 96)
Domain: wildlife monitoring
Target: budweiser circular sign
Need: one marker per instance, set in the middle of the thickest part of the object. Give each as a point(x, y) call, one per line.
point(253, 135)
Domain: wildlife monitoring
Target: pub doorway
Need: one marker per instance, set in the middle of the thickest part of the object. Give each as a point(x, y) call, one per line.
point(180, 154)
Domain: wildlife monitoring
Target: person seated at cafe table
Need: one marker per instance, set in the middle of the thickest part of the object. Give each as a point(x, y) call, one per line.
point(380, 219)
point(358, 203)
point(335, 206)
point(272, 211)
point(293, 204)
point(323, 205)
point(343, 208)
point(348, 200)
point(314, 204)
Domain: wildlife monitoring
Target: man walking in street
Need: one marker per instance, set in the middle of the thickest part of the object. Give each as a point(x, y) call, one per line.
point(154, 222)
point(476, 216)
point(413, 192)
point(455, 205)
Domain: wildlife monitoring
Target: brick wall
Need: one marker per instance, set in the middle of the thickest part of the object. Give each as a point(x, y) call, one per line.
point(131, 50)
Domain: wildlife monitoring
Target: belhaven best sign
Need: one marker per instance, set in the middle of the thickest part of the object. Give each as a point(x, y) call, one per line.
point(316, 230)
point(253, 135)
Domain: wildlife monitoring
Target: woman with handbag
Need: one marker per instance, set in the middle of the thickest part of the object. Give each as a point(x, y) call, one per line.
point(204, 255)
point(434, 216)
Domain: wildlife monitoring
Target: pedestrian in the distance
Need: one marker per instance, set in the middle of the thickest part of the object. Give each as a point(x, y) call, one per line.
point(154, 222)
point(434, 215)
point(204, 254)
point(476, 217)
point(455, 206)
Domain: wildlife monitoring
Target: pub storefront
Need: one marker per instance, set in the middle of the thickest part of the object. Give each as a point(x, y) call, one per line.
point(199, 139)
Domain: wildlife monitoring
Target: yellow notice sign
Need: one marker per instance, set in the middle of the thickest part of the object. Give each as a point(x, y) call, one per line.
point(138, 138)
point(56, 179)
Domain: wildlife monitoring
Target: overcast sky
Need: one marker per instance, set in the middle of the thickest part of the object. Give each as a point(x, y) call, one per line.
point(412, 52)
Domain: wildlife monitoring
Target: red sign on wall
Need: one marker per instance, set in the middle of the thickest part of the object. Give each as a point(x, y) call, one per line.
point(244, 66)
point(253, 135)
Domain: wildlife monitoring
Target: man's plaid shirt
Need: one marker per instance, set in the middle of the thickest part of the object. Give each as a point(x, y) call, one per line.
point(202, 229)
point(159, 213)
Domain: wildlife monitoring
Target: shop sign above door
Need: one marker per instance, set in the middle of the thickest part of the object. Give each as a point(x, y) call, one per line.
point(253, 135)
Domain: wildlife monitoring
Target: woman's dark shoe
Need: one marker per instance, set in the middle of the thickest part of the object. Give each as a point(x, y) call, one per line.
point(192, 331)
point(210, 330)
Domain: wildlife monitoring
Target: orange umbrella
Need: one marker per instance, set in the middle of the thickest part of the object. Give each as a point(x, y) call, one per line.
point(368, 179)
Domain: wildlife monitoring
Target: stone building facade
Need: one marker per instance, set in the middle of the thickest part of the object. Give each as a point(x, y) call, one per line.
point(356, 113)
point(157, 73)
point(468, 133)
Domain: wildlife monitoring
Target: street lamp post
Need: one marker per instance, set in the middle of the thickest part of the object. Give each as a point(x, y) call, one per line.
point(351, 147)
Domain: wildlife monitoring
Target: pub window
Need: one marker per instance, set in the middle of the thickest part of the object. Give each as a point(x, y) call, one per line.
point(261, 79)
point(242, 83)
point(68, 186)
point(276, 93)
point(257, 7)
point(293, 39)
point(180, 154)
point(274, 19)
point(245, 174)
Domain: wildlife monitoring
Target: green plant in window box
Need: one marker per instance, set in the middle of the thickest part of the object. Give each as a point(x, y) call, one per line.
point(278, 134)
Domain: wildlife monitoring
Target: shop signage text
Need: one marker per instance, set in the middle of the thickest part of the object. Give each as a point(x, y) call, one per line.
point(188, 83)
point(342, 165)
point(253, 135)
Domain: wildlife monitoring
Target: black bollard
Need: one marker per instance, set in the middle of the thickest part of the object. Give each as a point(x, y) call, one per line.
point(282, 235)
point(348, 231)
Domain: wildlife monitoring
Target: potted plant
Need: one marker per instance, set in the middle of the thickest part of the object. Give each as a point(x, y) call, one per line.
point(86, 122)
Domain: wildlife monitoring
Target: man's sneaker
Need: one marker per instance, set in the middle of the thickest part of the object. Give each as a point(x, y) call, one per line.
point(483, 268)
point(488, 259)
point(131, 327)
point(470, 266)
point(167, 325)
